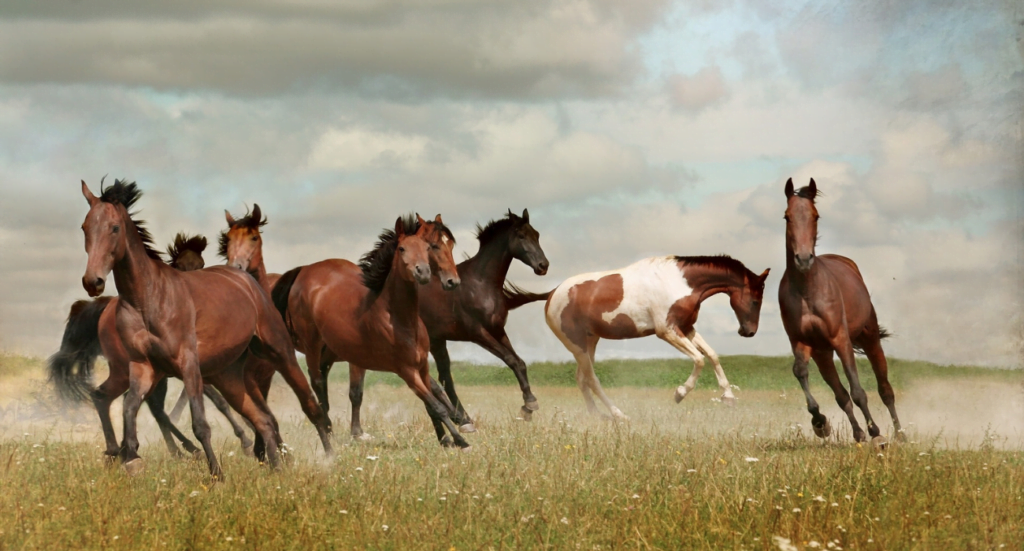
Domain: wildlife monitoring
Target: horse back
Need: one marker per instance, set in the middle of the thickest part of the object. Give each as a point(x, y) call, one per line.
point(228, 305)
point(325, 299)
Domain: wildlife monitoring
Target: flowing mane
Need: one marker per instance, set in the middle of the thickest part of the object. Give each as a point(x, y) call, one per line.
point(494, 228)
point(126, 195)
point(376, 264)
point(184, 243)
point(722, 261)
point(247, 221)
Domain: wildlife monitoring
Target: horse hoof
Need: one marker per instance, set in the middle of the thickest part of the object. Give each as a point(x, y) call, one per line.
point(901, 436)
point(468, 427)
point(134, 467)
point(729, 401)
point(362, 437)
point(680, 394)
point(446, 442)
point(531, 405)
point(618, 415)
point(467, 449)
point(823, 431)
point(247, 451)
point(879, 443)
point(527, 414)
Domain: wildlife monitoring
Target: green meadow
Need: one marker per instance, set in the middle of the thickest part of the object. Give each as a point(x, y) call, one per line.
point(695, 475)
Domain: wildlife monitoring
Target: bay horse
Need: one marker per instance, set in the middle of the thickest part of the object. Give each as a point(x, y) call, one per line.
point(198, 326)
point(478, 309)
point(826, 309)
point(368, 315)
point(91, 331)
point(655, 296)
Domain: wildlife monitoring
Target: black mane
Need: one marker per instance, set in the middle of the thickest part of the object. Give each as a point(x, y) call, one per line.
point(722, 261)
point(805, 192)
point(494, 228)
point(247, 221)
point(376, 264)
point(183, 243)
point(126, 195)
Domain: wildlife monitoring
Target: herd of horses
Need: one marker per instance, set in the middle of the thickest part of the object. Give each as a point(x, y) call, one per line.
point(226, 330)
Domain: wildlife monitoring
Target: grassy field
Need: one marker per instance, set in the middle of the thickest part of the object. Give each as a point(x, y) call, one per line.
point(697, 475)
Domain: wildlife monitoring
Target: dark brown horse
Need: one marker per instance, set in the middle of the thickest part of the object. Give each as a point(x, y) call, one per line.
point(826, 309)
point(655, 296)
point(368, 315)
point(478, 310)
point(199, 326)
point(91, 330)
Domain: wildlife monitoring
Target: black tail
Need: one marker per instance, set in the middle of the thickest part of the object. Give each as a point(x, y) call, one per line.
point(516, 297)
point(883, 334)
point(283, 288)
point(70, 369)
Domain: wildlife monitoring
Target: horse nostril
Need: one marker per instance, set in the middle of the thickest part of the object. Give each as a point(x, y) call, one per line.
point(99, 282)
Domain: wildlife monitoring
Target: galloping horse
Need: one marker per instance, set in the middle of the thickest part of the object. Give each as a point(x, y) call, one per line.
point(369, 316)
point(655, 296)
point(200, 325)
point(477, 310)
point(826, 308)
point(91, 330)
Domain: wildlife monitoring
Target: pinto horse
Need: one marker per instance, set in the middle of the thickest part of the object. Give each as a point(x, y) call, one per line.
point(368, 315)
point(91, 330)
point(826, 309)
point(198, 326)
point(656, 296)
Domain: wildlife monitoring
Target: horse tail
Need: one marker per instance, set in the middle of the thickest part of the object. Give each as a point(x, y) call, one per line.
point(516, 296)
point(883, 334)
point(70, 369)
point(282, 289)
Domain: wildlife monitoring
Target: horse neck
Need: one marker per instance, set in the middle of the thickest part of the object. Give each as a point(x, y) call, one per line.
point(492, 261)
point(135, 272)
point(708, 281)
point(797, 279)
point(400, 298)
point(258, 270)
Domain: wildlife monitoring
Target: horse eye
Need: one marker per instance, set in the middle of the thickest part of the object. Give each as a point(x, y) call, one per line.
point(255, 238)
point(434, 246)
point(401, 249)
point(117, 229)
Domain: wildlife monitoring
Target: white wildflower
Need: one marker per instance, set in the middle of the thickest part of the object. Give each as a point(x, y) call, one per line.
point(752, 460)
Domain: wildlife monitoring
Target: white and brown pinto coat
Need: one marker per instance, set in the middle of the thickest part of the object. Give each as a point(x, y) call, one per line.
point(654, 296)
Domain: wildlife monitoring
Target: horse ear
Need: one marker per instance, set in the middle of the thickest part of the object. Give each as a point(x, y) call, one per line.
point(92, 199)
point(813, 188)
point(511, 214)
point(764, 274)
point(419, 219)
point(789, 187)
point(202, 243)
point(229, 218)
point(256, 214)
point(526, 215)
point(399, 227)
point(437, 219)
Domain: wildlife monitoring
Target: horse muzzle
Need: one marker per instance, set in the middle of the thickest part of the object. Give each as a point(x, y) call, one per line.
point(747, 332)
point(450, 283)
point(93, 285)
point(803, 262)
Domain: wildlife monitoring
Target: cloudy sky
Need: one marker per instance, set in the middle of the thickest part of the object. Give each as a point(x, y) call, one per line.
point(629, 129)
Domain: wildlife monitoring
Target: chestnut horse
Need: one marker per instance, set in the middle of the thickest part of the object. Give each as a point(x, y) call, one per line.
point(826, 309)
point(655, 296)
point(91, 330)
point(200, 325)
point(368, 315)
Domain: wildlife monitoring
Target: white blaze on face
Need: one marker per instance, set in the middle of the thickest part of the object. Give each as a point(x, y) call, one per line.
point(444, 239)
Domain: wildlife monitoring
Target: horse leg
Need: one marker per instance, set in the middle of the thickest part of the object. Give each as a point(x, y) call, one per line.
point(104, 395)
point(258, 377)
point(142, 377)
point(316, 376)
point(179, 406)
point(801, 357)
point(827, 368)
point(190, 375)
point(235, 391)
point(880, 366)
point(222, 405)
point(727, 396)
point(680, 342)
point(416, 379)
point(583, 374)
point(439, 349)
point(845, 350)
point(518, 366)
point(355, 396)
point(275, 346)
point(155, 400)
point(595, 384)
